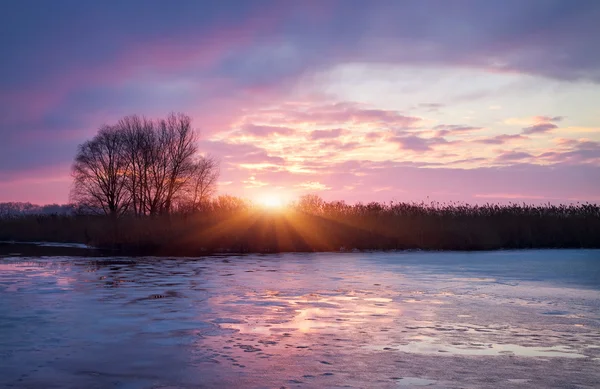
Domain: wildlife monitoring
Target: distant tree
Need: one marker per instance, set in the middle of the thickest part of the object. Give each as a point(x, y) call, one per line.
point(310, 203)
point(4, 210)
point(14, 209)
point(143, 167)
point(227, 204)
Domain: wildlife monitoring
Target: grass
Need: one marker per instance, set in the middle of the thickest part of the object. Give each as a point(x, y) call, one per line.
point(323, 226)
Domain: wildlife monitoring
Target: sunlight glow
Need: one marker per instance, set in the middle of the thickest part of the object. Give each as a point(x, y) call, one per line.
point(271, 201)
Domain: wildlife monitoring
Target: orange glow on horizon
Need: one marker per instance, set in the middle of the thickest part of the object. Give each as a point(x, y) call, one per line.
point(271, 201)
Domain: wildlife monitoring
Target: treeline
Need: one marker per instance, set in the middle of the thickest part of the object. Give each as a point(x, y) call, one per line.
point(228, 224)
point(140, 166)
point(16, 209)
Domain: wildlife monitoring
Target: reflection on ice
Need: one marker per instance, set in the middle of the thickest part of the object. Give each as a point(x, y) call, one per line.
point(312, 312)
point(432, 346)
point(312, 321)
point(414, 381)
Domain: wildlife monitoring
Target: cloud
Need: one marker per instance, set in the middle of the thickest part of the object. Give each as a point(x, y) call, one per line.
point(413, 143)
point(431, 107)
point(575, 153)
point(548, 118)
point(249, 65)
point(340, 146)
point(541, 128)
point(252, 182)
point(327, 134)
point(238, 153)
point(416, 143)
point(312, 186)
point(468, 160)
point(501, 139)
point(266, 131)
point(454, 129)
point(327, 114)
point(374, 136)
point(513, 156)
point(521, 182)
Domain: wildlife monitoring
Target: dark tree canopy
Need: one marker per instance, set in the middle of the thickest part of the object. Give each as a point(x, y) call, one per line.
point(143, 167)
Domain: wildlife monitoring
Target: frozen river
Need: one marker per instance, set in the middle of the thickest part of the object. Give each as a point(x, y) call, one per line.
point(361, 320)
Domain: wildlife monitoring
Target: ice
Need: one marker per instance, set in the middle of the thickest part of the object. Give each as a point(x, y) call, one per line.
point(414, 381)
point(376, 320)
point(52, 244)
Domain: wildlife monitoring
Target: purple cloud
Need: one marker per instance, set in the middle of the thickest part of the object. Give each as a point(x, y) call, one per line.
point(580, 152)
point(454, 129)
point(541, 128)
point(501, 139)
point(374, 136)
point(513, 156)
point(65, 71)
point(416, 143)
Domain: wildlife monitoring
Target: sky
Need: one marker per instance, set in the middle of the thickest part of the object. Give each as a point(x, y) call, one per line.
point(355, 100)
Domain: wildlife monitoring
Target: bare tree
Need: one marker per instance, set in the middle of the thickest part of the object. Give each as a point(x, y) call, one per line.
point(227, 203)
point(137, 135)
point(180, 150)
point(202, 184)
point(143, 167)
point(310, 203)
point(99, 174)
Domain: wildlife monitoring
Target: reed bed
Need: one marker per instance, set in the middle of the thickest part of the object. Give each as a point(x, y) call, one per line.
point(235, 226)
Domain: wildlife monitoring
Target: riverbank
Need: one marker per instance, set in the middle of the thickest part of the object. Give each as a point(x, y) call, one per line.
point(50, 249)
point(331, 227)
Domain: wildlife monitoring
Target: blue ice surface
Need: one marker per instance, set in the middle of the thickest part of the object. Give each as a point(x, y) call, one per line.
point(260, 321)
point(567, 267)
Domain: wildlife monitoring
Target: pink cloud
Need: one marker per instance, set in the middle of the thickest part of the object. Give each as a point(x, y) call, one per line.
point(340, 146)
point(335, 113)
point(528, 183)
point(327, 134)
point(266, 131)
point(225, 94)
point(544, 119)
point(374, 136)
point(237, 153)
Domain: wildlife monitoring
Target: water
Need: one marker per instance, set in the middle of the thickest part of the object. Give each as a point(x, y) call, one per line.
point(364, 320)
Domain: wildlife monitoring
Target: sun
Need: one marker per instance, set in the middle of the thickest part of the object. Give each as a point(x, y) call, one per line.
point(271, 201)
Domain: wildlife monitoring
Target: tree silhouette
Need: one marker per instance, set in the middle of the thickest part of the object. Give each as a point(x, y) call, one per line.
point(99, 174)
point(143, 167)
